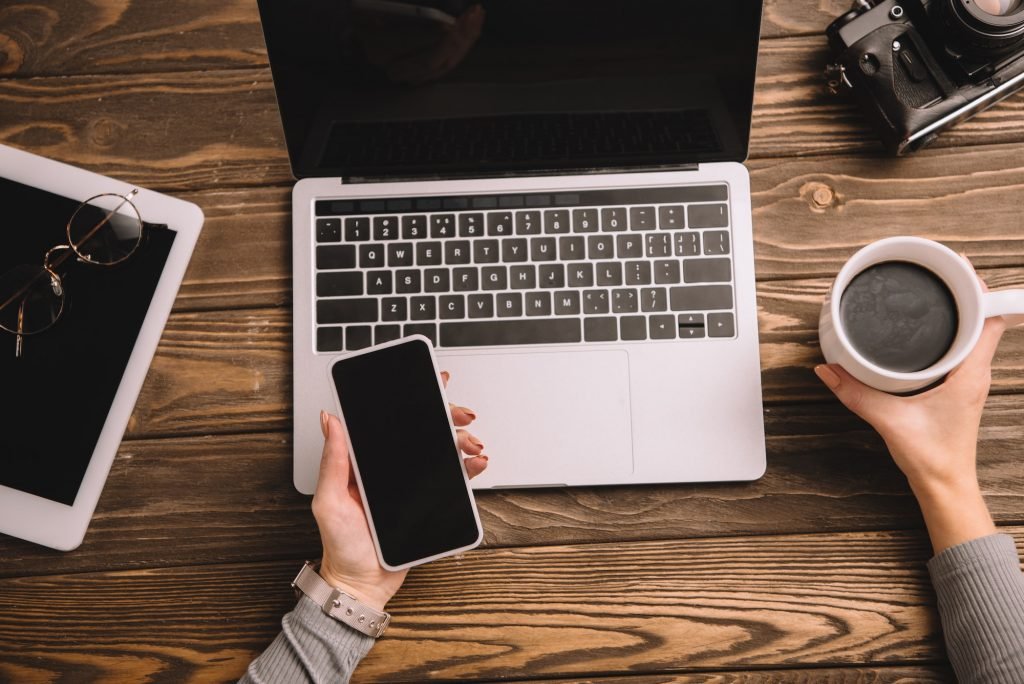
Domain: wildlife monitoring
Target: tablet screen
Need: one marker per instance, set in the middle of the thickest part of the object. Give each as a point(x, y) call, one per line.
point(57, 395)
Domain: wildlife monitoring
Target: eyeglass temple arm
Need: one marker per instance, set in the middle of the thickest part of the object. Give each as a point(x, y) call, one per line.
point(19, 337)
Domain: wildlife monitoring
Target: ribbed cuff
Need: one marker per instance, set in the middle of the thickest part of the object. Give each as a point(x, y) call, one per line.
point(980, 589)
point(311, 647)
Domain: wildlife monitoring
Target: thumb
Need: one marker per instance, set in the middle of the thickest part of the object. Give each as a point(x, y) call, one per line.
point(334, 464)
point(867, 402)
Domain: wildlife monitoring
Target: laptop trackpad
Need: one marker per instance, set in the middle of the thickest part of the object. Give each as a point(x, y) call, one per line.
point(547, 419)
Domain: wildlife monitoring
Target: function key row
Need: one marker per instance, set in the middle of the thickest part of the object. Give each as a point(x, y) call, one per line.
point(507, 223)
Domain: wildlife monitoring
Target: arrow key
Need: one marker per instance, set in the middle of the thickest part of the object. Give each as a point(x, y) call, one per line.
point(721, 325)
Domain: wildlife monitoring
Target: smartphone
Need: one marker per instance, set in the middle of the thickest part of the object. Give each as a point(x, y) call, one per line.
point(404, 453)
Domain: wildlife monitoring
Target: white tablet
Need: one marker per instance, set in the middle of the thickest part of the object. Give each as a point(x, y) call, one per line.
point(69, 394)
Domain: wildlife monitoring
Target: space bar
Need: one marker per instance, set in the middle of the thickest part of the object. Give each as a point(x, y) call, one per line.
point(488, 333)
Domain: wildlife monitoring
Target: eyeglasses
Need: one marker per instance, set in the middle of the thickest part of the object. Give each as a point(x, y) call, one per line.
point(104, 230)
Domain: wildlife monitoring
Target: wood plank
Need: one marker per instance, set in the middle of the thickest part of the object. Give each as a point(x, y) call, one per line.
point(928, 674)
point(230, 498)
point(119, 124)
point(45, 37)
point(822, 600)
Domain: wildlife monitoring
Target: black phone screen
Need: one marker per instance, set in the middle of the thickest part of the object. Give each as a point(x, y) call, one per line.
point(402, 443)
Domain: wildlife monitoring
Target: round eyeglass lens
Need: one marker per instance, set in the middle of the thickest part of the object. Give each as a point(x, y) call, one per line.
point(31, 299)
point(105, 230)
point(999, 8)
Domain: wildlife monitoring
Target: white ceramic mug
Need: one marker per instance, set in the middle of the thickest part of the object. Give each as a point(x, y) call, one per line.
point(973, 306)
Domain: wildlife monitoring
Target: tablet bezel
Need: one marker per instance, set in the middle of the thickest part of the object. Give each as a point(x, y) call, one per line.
point(41, 520)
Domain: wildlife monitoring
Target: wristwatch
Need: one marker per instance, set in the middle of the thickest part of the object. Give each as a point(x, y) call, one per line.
point(337, 604)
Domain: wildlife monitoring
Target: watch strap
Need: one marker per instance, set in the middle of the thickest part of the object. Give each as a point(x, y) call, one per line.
point(337, 604)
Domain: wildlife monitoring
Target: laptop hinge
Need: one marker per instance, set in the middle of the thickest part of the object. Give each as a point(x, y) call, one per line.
point(520, 174)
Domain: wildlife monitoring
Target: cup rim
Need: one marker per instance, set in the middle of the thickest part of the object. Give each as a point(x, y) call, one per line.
point(948, 362)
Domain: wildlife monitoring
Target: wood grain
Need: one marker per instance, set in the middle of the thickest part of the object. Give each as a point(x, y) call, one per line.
point(763, 602)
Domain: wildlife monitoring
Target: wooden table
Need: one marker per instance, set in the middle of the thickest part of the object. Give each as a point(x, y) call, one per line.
point(814, 573)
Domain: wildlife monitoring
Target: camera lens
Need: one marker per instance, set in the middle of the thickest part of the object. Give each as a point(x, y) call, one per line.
point(985, 28)
point(999, 8)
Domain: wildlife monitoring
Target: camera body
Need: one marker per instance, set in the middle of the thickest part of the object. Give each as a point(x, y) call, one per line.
point(918, 67)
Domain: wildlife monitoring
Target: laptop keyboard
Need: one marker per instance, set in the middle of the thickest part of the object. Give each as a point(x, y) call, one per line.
point(624, 265)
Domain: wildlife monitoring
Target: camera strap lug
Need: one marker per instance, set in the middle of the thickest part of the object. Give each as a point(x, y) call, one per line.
point(837, 79)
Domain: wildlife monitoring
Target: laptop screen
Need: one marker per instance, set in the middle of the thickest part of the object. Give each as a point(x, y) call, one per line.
point(389, 89)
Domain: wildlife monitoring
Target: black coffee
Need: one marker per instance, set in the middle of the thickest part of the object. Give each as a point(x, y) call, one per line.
point(899, 316)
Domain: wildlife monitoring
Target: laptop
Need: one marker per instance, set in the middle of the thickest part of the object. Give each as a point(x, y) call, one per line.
point(552, 192)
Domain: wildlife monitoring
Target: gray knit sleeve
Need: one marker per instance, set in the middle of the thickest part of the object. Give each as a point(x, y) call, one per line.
point(981, 602)
point(311, 647)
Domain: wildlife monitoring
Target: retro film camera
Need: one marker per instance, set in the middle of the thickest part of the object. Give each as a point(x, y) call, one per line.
point(920, 66)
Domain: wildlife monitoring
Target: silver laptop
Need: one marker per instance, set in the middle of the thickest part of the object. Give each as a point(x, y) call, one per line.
point(549, 190)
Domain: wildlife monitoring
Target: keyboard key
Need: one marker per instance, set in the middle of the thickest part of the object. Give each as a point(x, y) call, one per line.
point(556, 221)
point(584, 221)
point(663, 327)
point(452, 307)
point(480, 305)
point(523, 277)
point(385, 228)
point(428, 253)
point(457, 252)
point(671, 217)
point(494, 278)
point(400, 254)
point(378, 282)
point(624, 301)
point(716, 242)
point(638, 273)
point(414, 227)
point(567, 303)
point(707, 270)
point(471, 225)
point(600, 330)
point(328, 230)
point(687, 244)
point(642, 218)
point(581, 275)
point(528, 223)
point(394, 309)
point(721, 325)
point(437, 280)
point(428, 330)
point(490, 333)
point(423, 308)
point(542, 249)
point(357, 229)
point(407, 282)
point(336, 256)
point(653, 299)
point(514, 250)
point(659, 245)
point(629, 246)
point(709, 215)
point(691, 326)
point(386, 333)
point(342, 284)
point(572, 247)
point(538, 303)
point(358, 337)
point(510, 305)
point(499, 223)
point(613, 219)
point(465, 280)
point(600, 247)
point(442, 226)
point(701, 297)
point(346, 311)
point(551, 275)
point(666, 272)
point(633, 328)
point(595, 302)
point(371, 256)
point(329, 339)
point(486, 252)
point(609, 273)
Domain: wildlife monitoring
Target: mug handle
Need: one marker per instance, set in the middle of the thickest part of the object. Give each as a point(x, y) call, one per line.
point(1006, 303)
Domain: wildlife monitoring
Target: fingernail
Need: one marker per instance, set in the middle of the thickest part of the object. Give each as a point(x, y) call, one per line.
point(827, 376)
point(468, 412)
point(476, 442)
point(325, 425)
point(446, 375)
